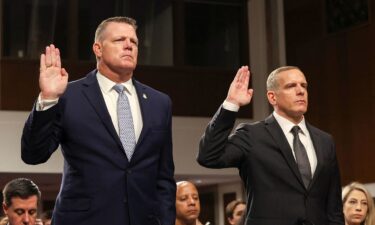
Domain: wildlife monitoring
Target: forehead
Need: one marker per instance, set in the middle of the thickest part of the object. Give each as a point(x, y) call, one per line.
point(186, 189)
point(240, 207)
point(120, 29)
point(28, 203)
point(357, 194)
point(293, 75)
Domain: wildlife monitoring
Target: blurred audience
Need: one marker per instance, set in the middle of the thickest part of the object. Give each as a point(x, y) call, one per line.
point(4, 220)
point(21, 200)
point(47, 217)
point(358, 205)
point(234, 212)
point(187, 204)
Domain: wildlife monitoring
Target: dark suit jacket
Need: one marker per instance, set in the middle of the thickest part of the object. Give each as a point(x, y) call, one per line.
point(99, 184)
point(276, 194)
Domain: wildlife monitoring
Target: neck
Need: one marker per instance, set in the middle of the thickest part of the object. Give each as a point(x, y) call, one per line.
point(294, 119)
point(113, 75)
point(346, 223)
point(179, 222)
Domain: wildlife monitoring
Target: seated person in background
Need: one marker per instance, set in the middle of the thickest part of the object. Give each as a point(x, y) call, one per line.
point(234, 211)
point(47, 217)
point(4, 220)
point(358, 205)
point(21, 200)
point(187, 204)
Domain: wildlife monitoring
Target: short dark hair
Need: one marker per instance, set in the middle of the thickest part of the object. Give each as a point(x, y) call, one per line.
point(20, 187)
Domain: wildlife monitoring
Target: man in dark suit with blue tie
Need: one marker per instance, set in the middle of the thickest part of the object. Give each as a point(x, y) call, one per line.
point(114, 132)
point(289, 167)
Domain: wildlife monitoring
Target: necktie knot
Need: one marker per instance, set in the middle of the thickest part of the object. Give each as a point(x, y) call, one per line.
point(119, 88)
point(295, 130)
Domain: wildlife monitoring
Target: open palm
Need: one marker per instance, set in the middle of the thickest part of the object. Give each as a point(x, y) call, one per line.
point(52, 78)
point(238, 92)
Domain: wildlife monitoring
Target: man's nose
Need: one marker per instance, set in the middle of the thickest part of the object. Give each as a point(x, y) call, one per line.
point(26, 219)
point(300, 89)
point(128, 44)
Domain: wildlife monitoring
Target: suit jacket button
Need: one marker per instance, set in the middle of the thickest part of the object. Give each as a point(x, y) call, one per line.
point(125, 200)
point(129, 171)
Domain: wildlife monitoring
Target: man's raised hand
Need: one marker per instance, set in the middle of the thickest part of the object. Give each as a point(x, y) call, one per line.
point(239, 92)
point(52, 78)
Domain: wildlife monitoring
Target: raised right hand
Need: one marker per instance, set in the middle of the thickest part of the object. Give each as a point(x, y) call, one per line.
point(238, 92)
point(52, 78)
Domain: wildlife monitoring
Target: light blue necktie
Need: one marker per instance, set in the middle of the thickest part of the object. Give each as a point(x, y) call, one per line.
point(125, 121)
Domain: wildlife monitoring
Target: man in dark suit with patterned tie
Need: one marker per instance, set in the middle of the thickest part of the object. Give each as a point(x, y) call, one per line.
point(289, 167)
point(114, 132)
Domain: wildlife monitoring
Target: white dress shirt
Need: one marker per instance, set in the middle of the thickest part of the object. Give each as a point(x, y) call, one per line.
point(111, 96)
point(304, 136)
point(286, 127)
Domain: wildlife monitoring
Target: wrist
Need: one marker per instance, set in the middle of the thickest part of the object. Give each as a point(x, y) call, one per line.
point(230, 106)
point(48, 96)
point(232, 101)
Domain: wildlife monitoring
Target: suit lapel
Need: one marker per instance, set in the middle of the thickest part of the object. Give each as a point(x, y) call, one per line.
point(94, 96)
point(316, 140)
point(279, 137)
point(143, 98)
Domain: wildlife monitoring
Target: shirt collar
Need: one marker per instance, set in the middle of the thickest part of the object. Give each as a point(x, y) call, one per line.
point(107, 85)
point(287, 125)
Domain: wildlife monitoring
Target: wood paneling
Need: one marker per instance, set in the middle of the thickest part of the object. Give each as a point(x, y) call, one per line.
point(340, 68)
point(194, 91)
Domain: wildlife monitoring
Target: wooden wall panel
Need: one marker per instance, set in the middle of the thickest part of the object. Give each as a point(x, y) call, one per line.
point(194, 91)
point(340, 71)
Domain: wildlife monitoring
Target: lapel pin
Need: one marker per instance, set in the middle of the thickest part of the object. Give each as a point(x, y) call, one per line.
point(144, 96)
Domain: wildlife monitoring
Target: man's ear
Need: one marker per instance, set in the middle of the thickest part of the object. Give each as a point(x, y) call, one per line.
point(5, 209)
point(271, 95)
point(97, 49)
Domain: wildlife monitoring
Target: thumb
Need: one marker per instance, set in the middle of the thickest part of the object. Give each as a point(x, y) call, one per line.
point(64, 73)
point(250, 92)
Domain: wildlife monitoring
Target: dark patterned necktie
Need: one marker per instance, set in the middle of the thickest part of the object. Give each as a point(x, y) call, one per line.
point(301, 157)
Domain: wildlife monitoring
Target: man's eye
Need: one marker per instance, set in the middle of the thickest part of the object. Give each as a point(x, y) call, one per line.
point(134, 42)
point(32, 212)
point(19, 212)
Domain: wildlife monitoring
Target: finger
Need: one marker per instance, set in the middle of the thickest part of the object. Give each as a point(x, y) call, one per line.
point(246, 77)
point(250, 92)
point(239, 76)
point(42, 62)
point(53, 55)
point(48, 56)
point(58, 58)
point(64, 73)
point(242, 77)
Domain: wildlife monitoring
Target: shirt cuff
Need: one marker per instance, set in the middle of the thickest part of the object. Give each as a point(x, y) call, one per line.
point(43, 105)
point(230, 106)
